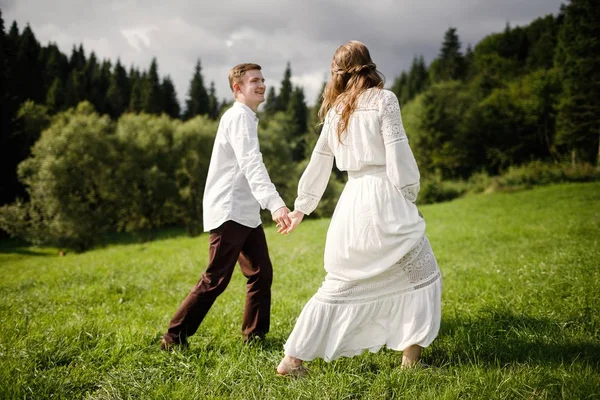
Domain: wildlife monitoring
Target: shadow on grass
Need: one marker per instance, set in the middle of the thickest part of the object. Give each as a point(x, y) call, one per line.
point(501, 338)
point(19, 246)
point(25, 251)
point(125, 238)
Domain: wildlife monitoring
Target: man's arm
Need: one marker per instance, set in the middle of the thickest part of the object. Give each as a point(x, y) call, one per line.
point(243, 138)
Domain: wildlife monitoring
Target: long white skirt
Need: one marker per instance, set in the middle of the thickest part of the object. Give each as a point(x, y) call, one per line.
point(367, 301)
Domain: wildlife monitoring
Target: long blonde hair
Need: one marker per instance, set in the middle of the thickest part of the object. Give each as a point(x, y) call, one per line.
point(352, 72)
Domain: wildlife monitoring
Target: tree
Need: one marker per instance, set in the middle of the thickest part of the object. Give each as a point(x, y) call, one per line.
point(192, 146)
point(285, 92)
point(410, 84)
point(438, 138)
point(77, 60)
point(117, 95)
point(197, 102)
point(418, 78)
point(75, 88)
point(28, 74)
point(298, 113)
point(314, 124)
point(10, 99)
point(145, 172)
point(400, 87)
point(469, 60)
point(542, 35)
point(169, 101)
point(516, 123)
point(135, 99)
point(213, 102)
point(101, 83)
point(150, 96)
point(65, 178)
point(271, 103)
point(450, 62)
point(6, 112)
point(56, 66)
point(89, 71)
point(578, 120)
point(56, 96)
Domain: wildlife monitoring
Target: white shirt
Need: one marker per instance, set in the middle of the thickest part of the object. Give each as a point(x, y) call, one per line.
point(375, 137)
point(238, 184)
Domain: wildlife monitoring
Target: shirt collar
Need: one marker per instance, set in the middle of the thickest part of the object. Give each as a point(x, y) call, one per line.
point(245, 107)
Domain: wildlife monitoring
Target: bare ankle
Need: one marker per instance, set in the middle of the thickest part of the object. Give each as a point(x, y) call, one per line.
point(292, 360)
point(411, 355)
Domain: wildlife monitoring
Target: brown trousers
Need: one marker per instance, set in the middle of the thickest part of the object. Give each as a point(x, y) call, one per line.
point(229, 243)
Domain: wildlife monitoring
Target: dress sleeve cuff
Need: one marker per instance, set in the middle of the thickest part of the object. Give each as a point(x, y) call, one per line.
point(306, 204)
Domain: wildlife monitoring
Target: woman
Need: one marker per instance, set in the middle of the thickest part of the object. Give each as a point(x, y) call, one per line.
point(383, 286)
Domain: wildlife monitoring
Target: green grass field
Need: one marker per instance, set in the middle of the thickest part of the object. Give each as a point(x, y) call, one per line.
point(521, 313)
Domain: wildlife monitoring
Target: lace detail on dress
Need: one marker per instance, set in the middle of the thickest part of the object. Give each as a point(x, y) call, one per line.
point(421, 268)
point(391, 122)
point(416, 270)
point(306, 203)
point(411, 192)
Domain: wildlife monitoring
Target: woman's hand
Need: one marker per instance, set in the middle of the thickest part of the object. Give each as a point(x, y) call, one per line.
point(295, 218)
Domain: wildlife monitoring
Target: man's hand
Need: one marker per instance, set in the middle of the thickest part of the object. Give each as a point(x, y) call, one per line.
point(295, 217)
point(280, 217)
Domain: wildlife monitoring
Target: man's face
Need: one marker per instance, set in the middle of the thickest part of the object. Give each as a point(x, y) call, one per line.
point(252, 89)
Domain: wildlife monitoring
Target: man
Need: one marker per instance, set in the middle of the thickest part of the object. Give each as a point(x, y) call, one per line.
point(237, 187)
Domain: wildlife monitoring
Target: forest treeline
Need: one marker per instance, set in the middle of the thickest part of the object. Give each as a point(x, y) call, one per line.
point(90, 146)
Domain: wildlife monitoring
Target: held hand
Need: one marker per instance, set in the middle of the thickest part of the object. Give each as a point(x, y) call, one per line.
point(280, 217)
point(296, 217)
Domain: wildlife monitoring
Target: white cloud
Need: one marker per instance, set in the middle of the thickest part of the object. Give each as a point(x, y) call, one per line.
point(136, 37)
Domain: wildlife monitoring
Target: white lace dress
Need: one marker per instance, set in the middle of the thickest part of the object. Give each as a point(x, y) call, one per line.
point(383, 286)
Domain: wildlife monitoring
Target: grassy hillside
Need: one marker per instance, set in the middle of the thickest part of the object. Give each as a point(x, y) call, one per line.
point(521, 313)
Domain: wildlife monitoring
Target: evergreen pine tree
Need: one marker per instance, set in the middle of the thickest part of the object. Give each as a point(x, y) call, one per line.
point(117, 95)
point(9, 185)
point(89, 72)
point(77, 60)
point(100, 85)
point(450, 60)
point(197, 102)
point(213, 102)
point(56, 96)
point(418, 78)
point(135, 98)
point(285, 92)
point(169, 101)
point(151, 97)
point(469, 64)
point(271, 102)
point(55, 64)
point(578, 120)
point(400, 87)
point(29, 75)
point(75, 88)
point(298, 113)
point(4, 80)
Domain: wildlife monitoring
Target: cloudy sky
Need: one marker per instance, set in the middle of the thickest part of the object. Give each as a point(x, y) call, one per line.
point(222, 33)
